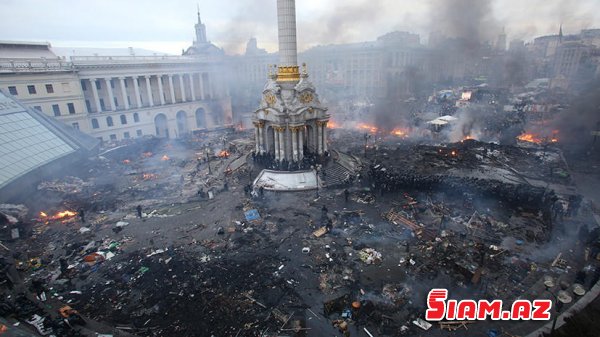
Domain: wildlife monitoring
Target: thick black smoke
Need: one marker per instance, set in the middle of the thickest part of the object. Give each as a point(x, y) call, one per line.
point(576, 123)
point(469, 21)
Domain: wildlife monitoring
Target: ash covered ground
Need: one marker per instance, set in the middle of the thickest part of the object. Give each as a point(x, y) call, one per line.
point(486, 221)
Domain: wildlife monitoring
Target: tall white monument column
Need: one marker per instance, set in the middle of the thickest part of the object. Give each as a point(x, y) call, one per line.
point(307, 129)
point(286, 22)
point(124, 92)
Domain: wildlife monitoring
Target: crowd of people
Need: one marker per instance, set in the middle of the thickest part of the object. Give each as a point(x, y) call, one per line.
point(308, 161)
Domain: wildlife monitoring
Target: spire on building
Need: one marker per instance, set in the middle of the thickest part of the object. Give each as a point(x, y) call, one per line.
point(200, 30)
point(560, 34)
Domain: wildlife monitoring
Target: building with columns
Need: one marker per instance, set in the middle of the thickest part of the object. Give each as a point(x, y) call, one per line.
point(290, 120)
point(179, 95)
point(122, 97)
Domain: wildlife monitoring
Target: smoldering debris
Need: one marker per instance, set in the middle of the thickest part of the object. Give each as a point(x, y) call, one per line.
point(200, 245)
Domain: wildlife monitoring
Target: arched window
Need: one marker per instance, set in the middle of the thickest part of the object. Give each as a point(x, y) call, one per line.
point(109, 121)
point(123, 119)
point(136, 117)
point(95, 124)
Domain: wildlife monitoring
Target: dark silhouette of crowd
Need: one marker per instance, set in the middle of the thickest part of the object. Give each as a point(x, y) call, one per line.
point(385, 179)
point(268, 161)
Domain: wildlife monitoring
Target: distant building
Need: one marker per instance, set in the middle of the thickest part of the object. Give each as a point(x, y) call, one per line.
point(501, 42)
point(368, 69)
point(574, 62)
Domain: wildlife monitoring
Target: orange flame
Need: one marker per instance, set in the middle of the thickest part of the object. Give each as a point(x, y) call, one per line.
point(147, 154)
point(126, 161)
point(223, 154)
point(332, 125)
point(58, 215)
point(399, 132)
point(165, 158)
point(370, 128)
point(530, 137)
point(554, 138)
point(467, 137)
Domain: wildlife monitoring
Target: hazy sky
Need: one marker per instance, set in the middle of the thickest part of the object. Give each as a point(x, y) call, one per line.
point(167, 26)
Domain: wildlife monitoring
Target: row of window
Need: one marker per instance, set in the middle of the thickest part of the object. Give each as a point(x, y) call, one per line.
point(126, 135)
point(33, 90)
point(56, 109)
point(109, 120)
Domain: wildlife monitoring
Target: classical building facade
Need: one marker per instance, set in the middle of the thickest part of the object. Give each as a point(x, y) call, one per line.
point(122, 97)
point(162, 96)
point(290, 120)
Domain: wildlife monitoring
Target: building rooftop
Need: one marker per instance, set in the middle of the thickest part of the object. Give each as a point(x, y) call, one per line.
point(26, 50)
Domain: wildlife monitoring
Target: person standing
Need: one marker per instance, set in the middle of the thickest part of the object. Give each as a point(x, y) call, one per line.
point(139, 211)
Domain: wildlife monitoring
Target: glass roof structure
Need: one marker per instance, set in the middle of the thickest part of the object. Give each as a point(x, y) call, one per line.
point(28, 140)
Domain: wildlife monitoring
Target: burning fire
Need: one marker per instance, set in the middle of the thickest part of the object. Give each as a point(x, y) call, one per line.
point(332, 125)
point(126, 161)
point(399, 132)
point(223, 154)
point(554, 138)
point(536, 138)
point(467, 137)
point(370, 128)
point(165, 158)
point(57, 216)
point(530, 137)
point(147, 154)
